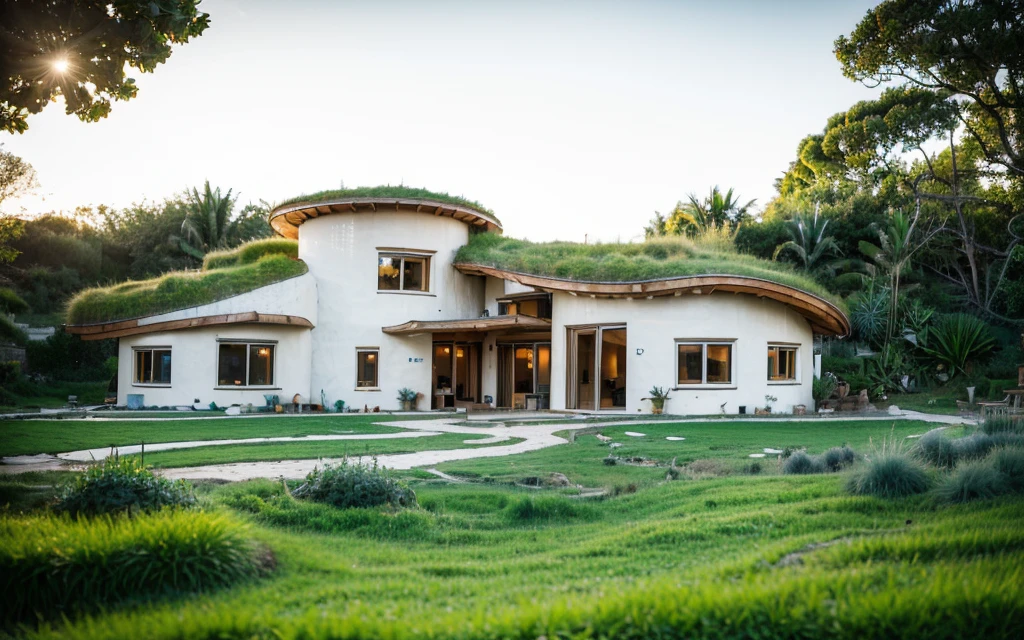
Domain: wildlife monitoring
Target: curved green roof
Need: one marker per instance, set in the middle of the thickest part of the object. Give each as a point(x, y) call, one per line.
point(387, 191)
point(656, 259)
point(225, 274)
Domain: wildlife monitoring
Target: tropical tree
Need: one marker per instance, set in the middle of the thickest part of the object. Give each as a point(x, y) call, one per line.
point(810, 243)
point(207, 224)
point(79, 49)
point(716, 210)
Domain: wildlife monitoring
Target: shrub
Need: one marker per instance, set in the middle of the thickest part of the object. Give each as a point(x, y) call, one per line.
point(355, 485)
point(972, 447)
point(122, 485)
point(837, 458)
point(1003, 424)
point(958, 340)
point(531, 509)
point(801, 463)
point(976, 480)
point(936, 449)
point(1009, 461)
point(11, 302)
point(890, 474)
point(55, 564)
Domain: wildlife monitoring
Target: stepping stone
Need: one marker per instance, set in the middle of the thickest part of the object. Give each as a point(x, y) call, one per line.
point(615, 445)
point(773, 451)
point(674, 438)
point(756, 455)
point(915, 435)
point(634, 434)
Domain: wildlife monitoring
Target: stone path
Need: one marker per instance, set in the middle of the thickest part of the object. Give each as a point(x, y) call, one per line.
point(533, 437)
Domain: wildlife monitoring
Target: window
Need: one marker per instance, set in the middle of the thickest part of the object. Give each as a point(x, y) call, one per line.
point(152, 366)
point(399, 272)
point(537, 307)
point(781, 364)
point(366, 368)
point(245, 364)
point(704, 363)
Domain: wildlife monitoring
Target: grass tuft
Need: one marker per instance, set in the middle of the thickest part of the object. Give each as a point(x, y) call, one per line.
point(351, 484)
point(838, 458)
point(546, 509)
point(1009, 461)
point(977, 480)
point(122, 485)
point(1003, 424)
point(251, 252)
point(55, 565)
point(799, 463)
point(890, 473)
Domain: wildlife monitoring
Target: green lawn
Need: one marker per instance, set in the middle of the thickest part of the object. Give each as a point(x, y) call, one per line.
point(310, 450)
point(744, 555)
point(727, 443)
point(19, 437)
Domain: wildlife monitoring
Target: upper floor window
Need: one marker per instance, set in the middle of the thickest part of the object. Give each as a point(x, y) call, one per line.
point(781, 364)
point(704, 363)
point(535, 306)
point(152, 366)
point(245, 364)
point(403, 272)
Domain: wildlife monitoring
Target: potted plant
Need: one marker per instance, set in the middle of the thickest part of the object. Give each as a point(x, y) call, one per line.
point(768, 400)
point(658, 397)
point(408, 398)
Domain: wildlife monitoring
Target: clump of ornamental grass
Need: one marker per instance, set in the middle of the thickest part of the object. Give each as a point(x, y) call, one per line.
point(1009, 461)
point(937, 449)
point(54, 564)
point(352, 484)
point(838, 458)
point(972, 447)
point(1003, 424)
point(546, 509)
point(799, 463)
point(890, 473)
point(122, 485)
point(976, 480)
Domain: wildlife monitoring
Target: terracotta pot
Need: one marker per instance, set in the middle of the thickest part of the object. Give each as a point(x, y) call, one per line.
point(656, 410)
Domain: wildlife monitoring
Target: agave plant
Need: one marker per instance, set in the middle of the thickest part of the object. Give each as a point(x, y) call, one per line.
point(868, 313)
point(959, 340)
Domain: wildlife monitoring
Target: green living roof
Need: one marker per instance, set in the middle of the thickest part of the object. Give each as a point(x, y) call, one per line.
point(656, 259)
point(387, 191)
point(224, 274)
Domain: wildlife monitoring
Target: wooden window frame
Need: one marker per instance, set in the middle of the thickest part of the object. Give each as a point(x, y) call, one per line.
point(401, 256)
point(152, 363)
point(704, 343)
point(248, 344)
point(376, 368)
point(787, 346)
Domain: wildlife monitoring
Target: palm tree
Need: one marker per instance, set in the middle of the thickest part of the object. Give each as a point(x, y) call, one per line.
point(810, 243)
point(208, 224)
point(714, 211)
point(897, 246)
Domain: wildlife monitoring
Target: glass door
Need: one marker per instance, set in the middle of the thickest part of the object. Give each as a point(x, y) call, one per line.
point(596, 372)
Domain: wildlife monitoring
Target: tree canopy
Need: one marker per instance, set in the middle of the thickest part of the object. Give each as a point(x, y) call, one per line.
point(79, 49)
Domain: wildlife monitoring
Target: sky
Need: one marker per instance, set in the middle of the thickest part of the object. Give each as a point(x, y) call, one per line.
point(570, 120)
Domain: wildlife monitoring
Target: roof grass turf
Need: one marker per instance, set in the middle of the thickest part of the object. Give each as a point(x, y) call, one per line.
point(387, 191)
point(224, 274)
point(655, 259)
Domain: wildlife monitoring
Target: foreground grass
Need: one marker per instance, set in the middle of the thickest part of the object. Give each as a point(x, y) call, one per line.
point(19, 437)
point(709, 558)
point(311, 450)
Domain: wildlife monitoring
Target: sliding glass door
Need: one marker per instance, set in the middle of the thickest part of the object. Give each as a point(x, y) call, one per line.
point(596, 368)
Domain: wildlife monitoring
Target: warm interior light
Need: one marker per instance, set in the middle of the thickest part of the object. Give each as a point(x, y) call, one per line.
point(263, 352)
point(60, 65)
point(447, 350)
point(370, 357)
point(459, 353)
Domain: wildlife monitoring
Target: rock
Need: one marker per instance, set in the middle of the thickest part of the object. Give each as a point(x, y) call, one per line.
point(634, 434)
point(894, 410)
point(559, 480)
point(615, 445)
point(756, 455)
point(772, 451)
point(603, 438)
point(233, 411)
point(675, 438)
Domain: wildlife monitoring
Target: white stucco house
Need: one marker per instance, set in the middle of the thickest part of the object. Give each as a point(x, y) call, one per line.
point(414, 290)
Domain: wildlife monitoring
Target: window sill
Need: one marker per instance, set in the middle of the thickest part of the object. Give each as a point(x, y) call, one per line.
point(427, 294)
point(784, 383)
point(705, 387)
point(246, 388)
point(367, 389)
point(151, 386)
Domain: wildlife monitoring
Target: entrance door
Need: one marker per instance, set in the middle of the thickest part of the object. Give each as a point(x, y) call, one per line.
point(524, 375)
point(456, 374)
point(597, 368)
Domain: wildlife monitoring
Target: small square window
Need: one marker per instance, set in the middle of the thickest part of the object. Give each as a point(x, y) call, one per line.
point(152, 366)
point(396, 272)
point(704, 363)
point(367, 361)
point(782, 364)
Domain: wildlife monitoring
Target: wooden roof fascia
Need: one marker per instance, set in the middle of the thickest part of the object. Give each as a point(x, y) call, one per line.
point(492, 323)
point(125, 328)
point(817, 310)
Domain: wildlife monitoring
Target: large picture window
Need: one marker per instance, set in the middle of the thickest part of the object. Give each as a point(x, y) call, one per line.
point(401, 272)
point(704, 363)
point(367, 366)
point(245, 364)
point(781, 364)
point(152, 366)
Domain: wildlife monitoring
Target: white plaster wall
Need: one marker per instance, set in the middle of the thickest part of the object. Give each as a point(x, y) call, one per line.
point(655, 325)
point(194, 365)
point(341, 251)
